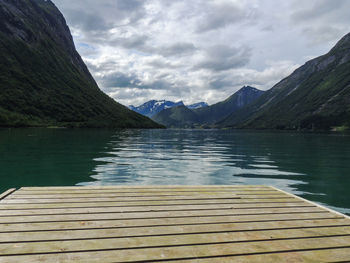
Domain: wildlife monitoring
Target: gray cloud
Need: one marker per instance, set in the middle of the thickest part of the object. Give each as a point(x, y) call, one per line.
point(132, 42)
point(120, 80)
point(86, 21)
point(200, 49)
point(322, 21)
point(220, 14)
point(318, 9)
point(140, 42)
point(221, 57)
point(103, 14)
point(161, 63)
point(117, 80)
point(322, 34)
point(177, 49)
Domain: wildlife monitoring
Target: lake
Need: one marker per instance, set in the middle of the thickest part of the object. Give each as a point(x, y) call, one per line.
point(313, 166)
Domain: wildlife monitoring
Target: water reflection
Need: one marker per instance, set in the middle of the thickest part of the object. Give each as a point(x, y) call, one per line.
point(174, 157)
point(314, 166)
point(307, 165)
point(49, 157)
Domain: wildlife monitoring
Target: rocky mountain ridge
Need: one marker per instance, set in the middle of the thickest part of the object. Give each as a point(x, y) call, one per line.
point(152, 107)
point(43, 80)
point(315, 96)
point(206, 117)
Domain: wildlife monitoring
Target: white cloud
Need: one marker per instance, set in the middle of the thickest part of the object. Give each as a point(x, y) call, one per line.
point(201, 49)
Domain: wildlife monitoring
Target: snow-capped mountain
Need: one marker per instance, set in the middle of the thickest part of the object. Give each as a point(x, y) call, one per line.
point(152, 107)
point(197, 105)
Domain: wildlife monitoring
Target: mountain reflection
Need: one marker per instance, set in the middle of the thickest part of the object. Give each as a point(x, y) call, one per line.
point(289, 161)
point(314, 166)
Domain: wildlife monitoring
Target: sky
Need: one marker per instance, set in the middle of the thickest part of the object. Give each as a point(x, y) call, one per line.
point(199, 50)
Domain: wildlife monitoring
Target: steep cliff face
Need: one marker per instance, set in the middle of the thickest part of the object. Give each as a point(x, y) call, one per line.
point(43, 80)
point(315, 96)
point(220, 110)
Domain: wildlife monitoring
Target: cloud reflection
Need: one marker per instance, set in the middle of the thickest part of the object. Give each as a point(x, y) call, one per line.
point(186, 158)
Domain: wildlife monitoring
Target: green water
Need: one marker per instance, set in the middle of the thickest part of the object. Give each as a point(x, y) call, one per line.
point(314, 166)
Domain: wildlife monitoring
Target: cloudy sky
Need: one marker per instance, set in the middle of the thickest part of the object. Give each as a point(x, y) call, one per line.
point(199, 50)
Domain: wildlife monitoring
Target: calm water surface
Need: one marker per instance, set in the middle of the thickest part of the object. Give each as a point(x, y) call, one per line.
point(314, 166)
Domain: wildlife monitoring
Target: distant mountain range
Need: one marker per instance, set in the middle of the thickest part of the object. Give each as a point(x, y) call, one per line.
point(182, 116)
point(44, 81)
point(316, 96)
point(197, 105)
point(152, 107)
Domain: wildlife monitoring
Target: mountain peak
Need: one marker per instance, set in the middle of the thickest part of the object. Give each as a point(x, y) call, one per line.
point(152, 107)
point(245, 91)
point(314, 96)
point(344, 42)
point(202, 115)
point(248, 88)
point(198, 105)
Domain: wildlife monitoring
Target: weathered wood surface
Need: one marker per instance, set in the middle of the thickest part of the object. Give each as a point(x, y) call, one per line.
point(168, 223)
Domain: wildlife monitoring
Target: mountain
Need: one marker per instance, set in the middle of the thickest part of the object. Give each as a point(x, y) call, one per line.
point(315, 96)
point(43, 80)
point(152, 107)
point(220, 110)
point(208, 116)
point(179, 116)
point(197, 105)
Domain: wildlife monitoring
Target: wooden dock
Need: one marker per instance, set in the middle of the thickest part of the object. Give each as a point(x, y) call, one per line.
point(203, 224)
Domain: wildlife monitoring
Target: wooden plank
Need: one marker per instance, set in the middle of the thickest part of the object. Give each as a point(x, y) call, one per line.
point(76, 211)
point(114, 223)
point(175, 208)
point(160, 214)
point(132, 201)
point(190, 252)
point(7, 193)
point(176, 223)
point(20, 195)
point(124, 199)
point(136, 187)
point(192, 191)
point(340, 255)
point(34, 198)
point(147, 189)
point(175, 231)
point(136, 194)
point(148, 203)
point(166, 241)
